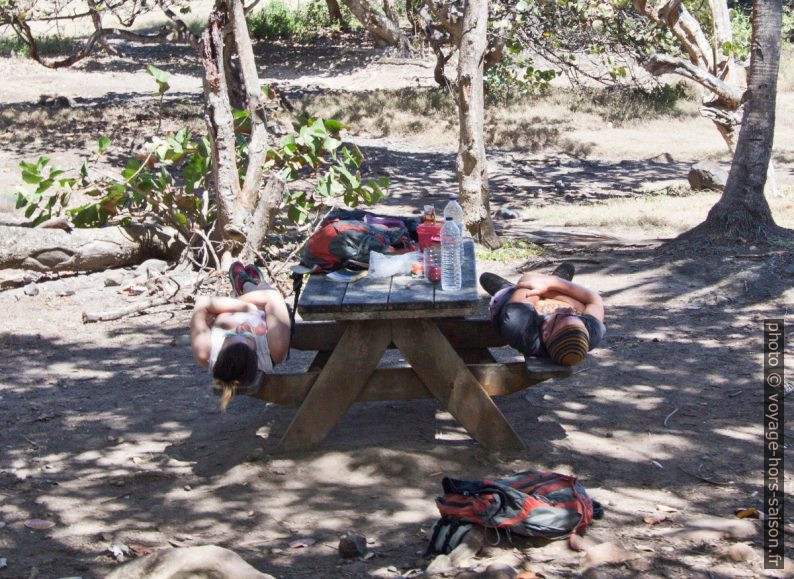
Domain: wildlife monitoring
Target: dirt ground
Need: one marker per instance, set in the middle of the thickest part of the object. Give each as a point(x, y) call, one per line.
point(110, 430)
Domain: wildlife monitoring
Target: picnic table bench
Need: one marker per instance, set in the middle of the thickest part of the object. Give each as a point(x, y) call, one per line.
point(351, 325)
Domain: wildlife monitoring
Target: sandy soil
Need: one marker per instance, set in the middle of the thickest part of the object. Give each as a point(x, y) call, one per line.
point(111, 432)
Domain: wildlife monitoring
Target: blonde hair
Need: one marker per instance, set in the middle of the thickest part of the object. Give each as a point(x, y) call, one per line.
point(227, 392)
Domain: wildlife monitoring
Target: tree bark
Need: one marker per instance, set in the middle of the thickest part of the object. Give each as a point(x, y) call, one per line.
point(263, 217)
point(54, 250)
point(334, 12)
point(257, 142)
point(220, 123)
point(743, 212)
point(380, 26)
point(471, 164)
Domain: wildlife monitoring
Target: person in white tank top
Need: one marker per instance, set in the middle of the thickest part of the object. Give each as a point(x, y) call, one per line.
point(241, 338)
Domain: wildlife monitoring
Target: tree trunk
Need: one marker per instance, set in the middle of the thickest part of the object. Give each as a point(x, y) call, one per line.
point(743, 212)
point(54, 250)
point(471, 164)
point(257, 143)
point(220, 123)
point(380, 26)
point(334, 13)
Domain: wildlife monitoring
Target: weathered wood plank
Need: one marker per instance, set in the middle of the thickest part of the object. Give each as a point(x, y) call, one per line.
point(468, 290)
point(322, 295)
point(452, 312)
point(408, 293)
point(367, 294)
point(461, 333)
point(448, 378)
point(399, 384)
point(339, 384)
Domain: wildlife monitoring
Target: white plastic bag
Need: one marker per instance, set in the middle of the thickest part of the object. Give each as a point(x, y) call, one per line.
point(382, 265)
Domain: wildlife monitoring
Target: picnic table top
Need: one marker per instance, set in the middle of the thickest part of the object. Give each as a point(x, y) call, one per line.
point(396, 297)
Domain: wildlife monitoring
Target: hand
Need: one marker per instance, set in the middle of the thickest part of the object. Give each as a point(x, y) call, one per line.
point(536, 283)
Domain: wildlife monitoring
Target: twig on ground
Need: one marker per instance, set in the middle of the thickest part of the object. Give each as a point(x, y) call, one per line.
point(705, 479)
point(122, 312)
point(669, 416)
point(208, 245)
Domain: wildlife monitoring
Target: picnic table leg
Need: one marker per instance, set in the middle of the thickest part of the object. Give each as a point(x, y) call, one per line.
point(435, 361)
point(341, 380)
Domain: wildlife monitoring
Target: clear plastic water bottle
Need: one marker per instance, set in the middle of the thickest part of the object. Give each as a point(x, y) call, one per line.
point(454, 210)
point(450, 256)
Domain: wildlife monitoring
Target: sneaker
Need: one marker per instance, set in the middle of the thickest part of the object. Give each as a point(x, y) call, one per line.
point(565, 270)
point(255, 274)
point(492, 283)
point(238, 277)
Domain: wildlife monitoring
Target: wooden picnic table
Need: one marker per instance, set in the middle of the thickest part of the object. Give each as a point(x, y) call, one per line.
point(351, 325)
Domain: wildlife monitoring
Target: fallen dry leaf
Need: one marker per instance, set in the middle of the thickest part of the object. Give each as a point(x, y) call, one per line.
point(655, 520)
point(140, 550)
point(665, 508)
point(748, 513)
point(39, 524)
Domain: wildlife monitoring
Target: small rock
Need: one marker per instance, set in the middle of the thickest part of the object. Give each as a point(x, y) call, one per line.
point(114, 278)
point(120, 551)
point(605, 553)
point(440, 563)
point(707, 176)
point(559, 185)
point(65, 293)
point(151, 266)
point(505, 213)
point(183, 340)
point(31, 290)
point(609, 434)
point(3, 562)
point(352, 545)
point(188, 488)
point(499, 571)
point(56, 101)
point(741, 552)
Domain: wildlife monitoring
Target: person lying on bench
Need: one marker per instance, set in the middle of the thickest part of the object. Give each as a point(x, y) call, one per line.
point(240, 338)
point(547, 316)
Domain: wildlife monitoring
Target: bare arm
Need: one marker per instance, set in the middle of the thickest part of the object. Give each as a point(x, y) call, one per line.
point(553, 286)
point(277, 318)
point(200, 330)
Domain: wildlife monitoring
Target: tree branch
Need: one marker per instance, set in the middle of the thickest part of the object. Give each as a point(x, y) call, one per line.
point(257, 145)
point(660, 64)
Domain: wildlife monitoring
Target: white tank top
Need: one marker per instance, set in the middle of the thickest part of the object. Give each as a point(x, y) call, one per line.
point(253, 322)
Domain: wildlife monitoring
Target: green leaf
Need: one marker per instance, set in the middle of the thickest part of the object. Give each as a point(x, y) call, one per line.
point(160, 76)
point(21, 200)
point(104, 143)
point(31, 178)
point(334, 126)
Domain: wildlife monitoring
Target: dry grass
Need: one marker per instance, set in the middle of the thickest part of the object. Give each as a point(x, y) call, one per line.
point(651, 216)
point(536, 123)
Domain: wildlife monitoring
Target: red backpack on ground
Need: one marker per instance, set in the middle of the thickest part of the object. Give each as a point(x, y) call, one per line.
point(529, 503)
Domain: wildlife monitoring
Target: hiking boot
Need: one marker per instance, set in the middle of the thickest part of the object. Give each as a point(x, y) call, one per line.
point(565, 270)
point(492, 283)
